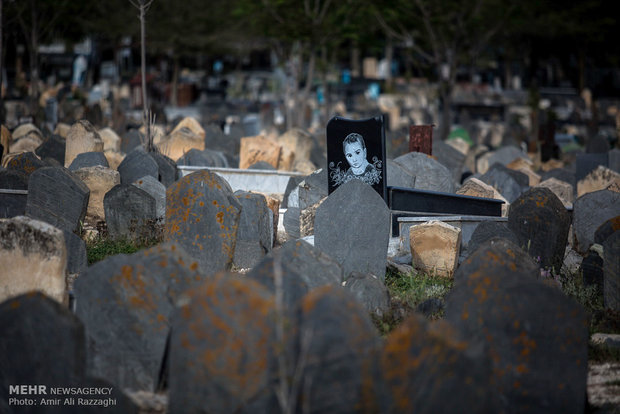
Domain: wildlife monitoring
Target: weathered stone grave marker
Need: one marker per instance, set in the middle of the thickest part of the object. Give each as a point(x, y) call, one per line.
point(421, 139)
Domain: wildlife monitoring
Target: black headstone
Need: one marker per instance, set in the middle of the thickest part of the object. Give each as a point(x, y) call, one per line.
point(611, 269)
point(586, 163)
point(76, 253)
point(508, 182)
point(356, 150)
point(26, 162)
point(89, 159)
point(53, 147)
point(57, 197)
point(167, 168)
point(136, 165)
point(606, 229)
point(130, 140)
point(592, 270)
point(130, 212)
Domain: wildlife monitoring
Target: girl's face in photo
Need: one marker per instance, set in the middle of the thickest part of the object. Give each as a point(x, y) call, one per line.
point(355, 154)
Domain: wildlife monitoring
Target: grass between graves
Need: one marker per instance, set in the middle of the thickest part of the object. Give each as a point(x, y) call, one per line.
point(407, 292)
point(102, 247)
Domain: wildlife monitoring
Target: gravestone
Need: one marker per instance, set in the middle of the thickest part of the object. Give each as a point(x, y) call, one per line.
point(166, 168)
point(398, 176)
point(25, 130)
point(536, 337)
point(598, 179)
point(126, 304)
point(99, 181)
point(235, 371)
point(82, 137)
point(311, 190)
point(111, 140)
point(561, 174)
point(215, 139)
point(136, 165)
point(541, 223)
point(476, 188)
point(562, 190)
point(131, 140)
point(255, 232)
point(449, 157)
point(262, 165)
point(614, 159)
point(340, 354)
point(423, 363)
point(33, 256)
point(356, 150)
point(192, 124)
point(361, 242)
point(26, 162)
point(509, 183)
point(89, 159)
point(370, 292)
point(611, 270)
point(597, 145)
point(181, 141)
point(42, 343)
point(77, 260)
point(54, 148)
point(204, 158)
point(291, 186)
point(435, 247)
point(589, 212)
point(58, 197)
point(158, 191)
point(586, 163)
point(421, 139)
point(11, 203)
point(259, 148)
point(130, 213)
point(202, 215)
point(303, 266)
point(429, 174)
point(486, 231)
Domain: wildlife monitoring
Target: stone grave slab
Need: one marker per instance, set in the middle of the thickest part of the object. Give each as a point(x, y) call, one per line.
point(589, 212)
point(54, 148)
point(586, 163)
point(361, 242)
point(202, 215)
point(611, 271)
point(130, 212)
point(158, 191)
point(58, 197)
point(449, 157)
point(435, 247)
point(25, 162)
point(370, 292)
point(89, 159)
point(429, 174)
point(421, 139)
point(13, 193)
point(82, 137)
point(137, 164)
point(99, 181)
point(509, 183)
point(167, 168)
point(255, 231)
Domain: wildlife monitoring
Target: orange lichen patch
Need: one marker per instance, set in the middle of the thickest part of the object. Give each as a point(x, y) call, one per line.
point(14, 304)
point(522, 369)
point(193, 266)
point(219, 217)
point(202, 204)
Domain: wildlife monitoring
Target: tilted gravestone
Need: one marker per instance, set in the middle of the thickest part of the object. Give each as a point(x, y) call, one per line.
point(136, 165)
point(255, 232)
point(88, 159)
point(429, 174)
point(130, 212)
point(166, 167)
point(26, 162)
point(126, 303)
point(54, 148)
point(311, 190)
point(157, 190)
point(451, 158)
point(508, 182)
point(297, 267)
point(606, 229)
point(614, 159)
point(202, 215)
point(339, 355)
point(589, 212)
point(611, 270)
point(541, 223)
point(356, 150)
point(536, 337)
point(222, 349)
point(398, 176)
point(33, 256)
point(77, 260)
point(561, 174)
point(57, 197)
point(422, 363)
point(361, 241)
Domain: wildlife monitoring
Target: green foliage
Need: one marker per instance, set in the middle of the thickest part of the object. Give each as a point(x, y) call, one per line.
point(415, 287)
point(102, 247)
point(602, 353)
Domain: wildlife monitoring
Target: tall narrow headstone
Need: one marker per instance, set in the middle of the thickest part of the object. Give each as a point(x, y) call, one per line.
point(254, 236)
point(356, 150)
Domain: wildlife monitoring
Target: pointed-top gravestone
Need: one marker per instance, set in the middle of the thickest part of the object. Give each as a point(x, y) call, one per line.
point(26, 162)
point(202, 215)
point(255, 233)
point(130, 212)
point(88, 159)
point(541, 223)
point(353, 226)
point(429, 174)
point(167, 168)
point(356, 150)
point(57, 197)
point(157, 190)
point(126, 303)
point(589, 212)
point(509, 183)
point(136, 165)
point(53, 147)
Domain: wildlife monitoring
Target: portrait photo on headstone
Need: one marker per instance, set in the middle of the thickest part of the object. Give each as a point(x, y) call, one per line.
point(356, 150)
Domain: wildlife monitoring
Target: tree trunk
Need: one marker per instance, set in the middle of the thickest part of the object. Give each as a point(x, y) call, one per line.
point(355, 60)
point(175, 82)
point(389, 55)
point(34, 64)
point(303, 104)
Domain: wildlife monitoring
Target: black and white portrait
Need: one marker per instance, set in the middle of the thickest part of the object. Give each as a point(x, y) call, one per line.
point(356, 154)
point(356, 151)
